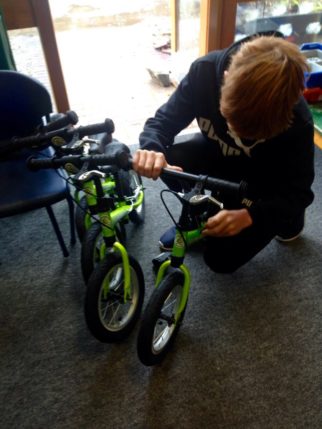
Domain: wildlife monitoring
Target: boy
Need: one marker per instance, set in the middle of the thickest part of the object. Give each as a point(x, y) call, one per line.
point(255, 126)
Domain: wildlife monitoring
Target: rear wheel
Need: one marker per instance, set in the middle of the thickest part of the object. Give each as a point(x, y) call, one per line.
point(108, 315)
point(161, 320)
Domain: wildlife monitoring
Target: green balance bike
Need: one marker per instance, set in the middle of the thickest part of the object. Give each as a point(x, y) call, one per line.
point(99, 190)
point(95, 190)
point(115, 288)
point(166, 307)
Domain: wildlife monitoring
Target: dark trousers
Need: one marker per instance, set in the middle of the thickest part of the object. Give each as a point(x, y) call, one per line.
point(222, 254)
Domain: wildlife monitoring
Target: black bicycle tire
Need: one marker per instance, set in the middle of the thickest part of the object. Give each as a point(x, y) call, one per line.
point(151, 316)
point(92, 317)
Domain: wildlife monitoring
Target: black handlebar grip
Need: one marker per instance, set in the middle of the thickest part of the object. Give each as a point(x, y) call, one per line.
point(17, 143)
point(104, 127)
point(119, 158)
point(167, 172)
point(65, 119)
point(36, 164)
point(224, 187)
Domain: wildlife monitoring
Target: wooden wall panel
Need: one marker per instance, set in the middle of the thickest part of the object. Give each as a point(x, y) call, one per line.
point(18, 14)
point(217, 24)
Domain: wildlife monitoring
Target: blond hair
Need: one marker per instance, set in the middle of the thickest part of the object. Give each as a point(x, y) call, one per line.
point(263, 83)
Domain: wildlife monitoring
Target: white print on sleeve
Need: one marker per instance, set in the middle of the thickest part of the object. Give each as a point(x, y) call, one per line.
point(206, 126)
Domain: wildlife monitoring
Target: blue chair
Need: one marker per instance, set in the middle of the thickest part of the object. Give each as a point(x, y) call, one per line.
point(24, 103)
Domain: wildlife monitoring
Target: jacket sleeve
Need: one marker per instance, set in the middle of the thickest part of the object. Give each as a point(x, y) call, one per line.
point(288, 185)
point(172, 117)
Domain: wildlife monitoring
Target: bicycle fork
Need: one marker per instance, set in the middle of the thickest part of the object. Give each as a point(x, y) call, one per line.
point(176, 261)
point(108, 221)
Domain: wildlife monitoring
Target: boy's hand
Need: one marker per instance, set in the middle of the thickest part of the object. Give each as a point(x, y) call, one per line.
point(227, 223)
point(149, 163)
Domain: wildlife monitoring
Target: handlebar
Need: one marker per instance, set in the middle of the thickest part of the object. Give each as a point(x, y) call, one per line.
point(65, 133)
point(224, 187)
point(119, 158)
point(65, 119)
point(123, 159)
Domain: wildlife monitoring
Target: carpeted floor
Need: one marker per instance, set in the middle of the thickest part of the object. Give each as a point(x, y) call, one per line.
point(248, 355)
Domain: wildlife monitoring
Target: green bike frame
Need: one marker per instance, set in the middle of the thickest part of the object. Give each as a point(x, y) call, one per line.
point(89, 189)
point(182, 240)
point(108, 221)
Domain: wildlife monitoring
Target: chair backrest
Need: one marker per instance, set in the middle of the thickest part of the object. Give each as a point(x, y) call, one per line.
point(24, 101)
point(7, 61)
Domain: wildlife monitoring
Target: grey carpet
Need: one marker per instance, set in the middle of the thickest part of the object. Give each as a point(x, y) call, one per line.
point(248, 355)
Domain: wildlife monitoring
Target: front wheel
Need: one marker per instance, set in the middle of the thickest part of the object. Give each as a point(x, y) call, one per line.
point(109, 316)
point(161, 320)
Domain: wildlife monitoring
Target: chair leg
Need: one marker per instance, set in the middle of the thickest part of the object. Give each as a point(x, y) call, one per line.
point(57, 231)
point(71, 219)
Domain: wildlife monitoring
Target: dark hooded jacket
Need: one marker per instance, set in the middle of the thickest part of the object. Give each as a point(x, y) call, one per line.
point(279, 171)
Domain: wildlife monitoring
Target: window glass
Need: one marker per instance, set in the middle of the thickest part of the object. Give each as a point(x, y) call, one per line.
point(299, 21)
point(187, 39)
point(189, 25)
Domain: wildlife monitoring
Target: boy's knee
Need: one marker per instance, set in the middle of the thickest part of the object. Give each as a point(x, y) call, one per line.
point(219, 264)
